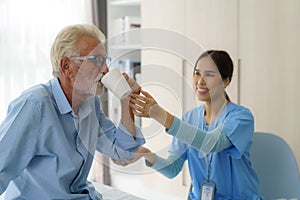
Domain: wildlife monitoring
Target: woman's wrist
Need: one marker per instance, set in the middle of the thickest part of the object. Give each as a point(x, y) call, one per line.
point(150, 157)
point(162, 116)
point(169, 120)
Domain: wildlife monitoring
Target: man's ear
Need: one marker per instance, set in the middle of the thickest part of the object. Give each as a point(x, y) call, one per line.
point(64, 65)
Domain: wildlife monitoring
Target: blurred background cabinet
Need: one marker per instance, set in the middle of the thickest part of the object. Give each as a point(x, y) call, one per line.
point(123, 44)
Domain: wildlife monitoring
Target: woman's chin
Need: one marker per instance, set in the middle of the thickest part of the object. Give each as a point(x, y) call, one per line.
point(200, 97)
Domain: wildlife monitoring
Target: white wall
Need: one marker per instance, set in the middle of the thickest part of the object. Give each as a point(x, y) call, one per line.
point(269, 51)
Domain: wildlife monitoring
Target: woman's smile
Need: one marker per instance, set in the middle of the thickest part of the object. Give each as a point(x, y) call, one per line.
point(202, 90)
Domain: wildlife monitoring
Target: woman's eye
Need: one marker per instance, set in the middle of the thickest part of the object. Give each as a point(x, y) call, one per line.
point(210, 75)
point(197, 73)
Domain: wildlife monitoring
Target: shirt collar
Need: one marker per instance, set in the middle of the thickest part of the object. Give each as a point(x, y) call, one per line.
point(60, 98)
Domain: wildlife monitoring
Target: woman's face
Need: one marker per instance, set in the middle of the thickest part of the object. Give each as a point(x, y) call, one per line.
point(208, 83)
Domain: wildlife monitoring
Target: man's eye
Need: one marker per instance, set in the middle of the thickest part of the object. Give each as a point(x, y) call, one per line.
point(99, 59)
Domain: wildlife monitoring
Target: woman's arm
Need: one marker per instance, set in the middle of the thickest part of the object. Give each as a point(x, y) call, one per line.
point(212, 141)
point(146, 106)
point(169, 167)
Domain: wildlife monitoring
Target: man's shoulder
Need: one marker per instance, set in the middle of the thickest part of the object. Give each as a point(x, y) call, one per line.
point(36, 92)
point(34, 95)
point(33, 98)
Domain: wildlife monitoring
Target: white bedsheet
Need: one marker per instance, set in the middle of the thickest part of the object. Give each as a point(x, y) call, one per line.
point(109, 193)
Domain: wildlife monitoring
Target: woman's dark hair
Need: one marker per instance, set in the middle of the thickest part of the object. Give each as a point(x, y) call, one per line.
point(222, 61)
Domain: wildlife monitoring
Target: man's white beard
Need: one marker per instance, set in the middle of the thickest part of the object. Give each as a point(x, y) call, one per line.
point(99, 89)
point(89, 87)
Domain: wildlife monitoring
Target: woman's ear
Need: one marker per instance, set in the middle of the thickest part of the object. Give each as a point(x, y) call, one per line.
point(226, 82)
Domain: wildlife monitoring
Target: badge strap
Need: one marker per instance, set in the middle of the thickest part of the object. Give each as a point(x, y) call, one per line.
point(208, 161)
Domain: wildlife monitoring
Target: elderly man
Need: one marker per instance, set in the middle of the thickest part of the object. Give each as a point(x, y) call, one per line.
point(52, 131)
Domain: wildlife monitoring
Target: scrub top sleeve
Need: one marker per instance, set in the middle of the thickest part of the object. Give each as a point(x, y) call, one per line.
point(179, 148)
point(169, 167)
point(239, 128)
point(174, 127)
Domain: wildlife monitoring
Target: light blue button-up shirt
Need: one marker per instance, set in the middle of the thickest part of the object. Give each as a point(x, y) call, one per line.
point(43, 155)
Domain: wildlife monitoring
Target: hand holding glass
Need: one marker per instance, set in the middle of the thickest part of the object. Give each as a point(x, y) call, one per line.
point(116, 83)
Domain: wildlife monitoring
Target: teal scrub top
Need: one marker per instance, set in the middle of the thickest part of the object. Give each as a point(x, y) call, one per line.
point(230, 169)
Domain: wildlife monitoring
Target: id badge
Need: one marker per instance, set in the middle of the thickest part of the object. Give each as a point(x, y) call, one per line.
point(207, 190)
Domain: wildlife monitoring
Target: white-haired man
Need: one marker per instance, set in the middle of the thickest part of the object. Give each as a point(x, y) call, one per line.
point(50, 134)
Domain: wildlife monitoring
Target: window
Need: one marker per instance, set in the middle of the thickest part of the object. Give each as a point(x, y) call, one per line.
point(27, 30)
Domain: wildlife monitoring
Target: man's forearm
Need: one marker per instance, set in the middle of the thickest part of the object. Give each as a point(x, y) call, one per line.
point(127, 116)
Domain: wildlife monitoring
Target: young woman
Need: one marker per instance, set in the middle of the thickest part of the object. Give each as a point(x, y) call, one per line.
point(215, 138)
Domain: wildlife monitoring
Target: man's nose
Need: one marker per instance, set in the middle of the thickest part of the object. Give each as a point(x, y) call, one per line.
point(104, 68)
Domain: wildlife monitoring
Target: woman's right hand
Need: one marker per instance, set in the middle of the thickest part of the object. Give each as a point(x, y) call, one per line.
point(140, 152)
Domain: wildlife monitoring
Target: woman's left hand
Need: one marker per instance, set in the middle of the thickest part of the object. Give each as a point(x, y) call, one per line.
point(142, 104)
